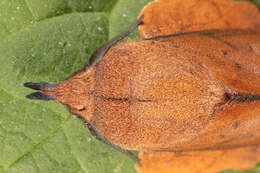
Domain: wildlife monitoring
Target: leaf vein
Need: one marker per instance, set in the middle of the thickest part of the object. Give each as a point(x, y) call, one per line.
point(41, 141)
point(30, 9)
point(70, 146)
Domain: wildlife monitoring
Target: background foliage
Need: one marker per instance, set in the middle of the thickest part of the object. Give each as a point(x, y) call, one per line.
point(43, 40)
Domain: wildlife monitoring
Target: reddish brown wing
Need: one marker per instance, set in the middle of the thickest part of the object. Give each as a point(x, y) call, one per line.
point(202, 162)
point(170, 93)
point(164, 17)
point(233, 56)
point(233, 59)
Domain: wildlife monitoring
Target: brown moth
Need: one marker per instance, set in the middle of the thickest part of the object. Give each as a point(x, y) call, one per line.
point(182, 92)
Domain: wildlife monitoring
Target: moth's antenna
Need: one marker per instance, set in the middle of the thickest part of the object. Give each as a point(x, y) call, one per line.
point(100, 52)
point(39, 96)
point(39, 86)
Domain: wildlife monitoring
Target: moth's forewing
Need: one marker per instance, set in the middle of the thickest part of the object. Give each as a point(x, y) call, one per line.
point(169, 93)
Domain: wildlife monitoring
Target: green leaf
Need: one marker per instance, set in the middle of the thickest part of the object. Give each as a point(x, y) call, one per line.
point(256, 169)
point(39, 136)
point(16, 15)
point(123, 12)
point(44, 40)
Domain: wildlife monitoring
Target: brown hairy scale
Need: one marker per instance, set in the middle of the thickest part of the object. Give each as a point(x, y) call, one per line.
point(76, 92)
point(164, 17)
point(173, 93)
point(213, 161)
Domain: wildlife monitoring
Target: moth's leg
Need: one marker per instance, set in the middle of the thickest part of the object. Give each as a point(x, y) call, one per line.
point(100, 52)
point(95, 132)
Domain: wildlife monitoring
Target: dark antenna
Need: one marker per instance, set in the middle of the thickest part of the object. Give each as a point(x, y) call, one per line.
point(39, 86)
point(100, 52)
point(39, 96)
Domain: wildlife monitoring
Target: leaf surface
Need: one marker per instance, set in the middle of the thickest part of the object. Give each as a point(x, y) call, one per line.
point(48, 41)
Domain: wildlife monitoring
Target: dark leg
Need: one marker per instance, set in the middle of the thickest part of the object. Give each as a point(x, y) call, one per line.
point(100, 52)
point(95, 132)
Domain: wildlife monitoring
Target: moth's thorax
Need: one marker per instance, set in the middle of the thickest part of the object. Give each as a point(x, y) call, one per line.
point(76, 92)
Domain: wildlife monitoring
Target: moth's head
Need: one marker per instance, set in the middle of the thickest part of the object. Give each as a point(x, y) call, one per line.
point(76, 92)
